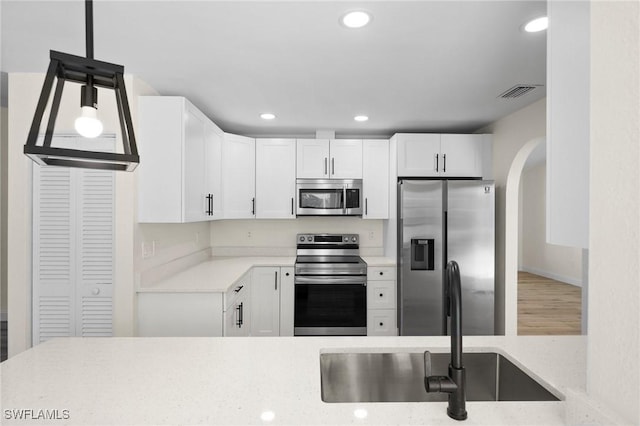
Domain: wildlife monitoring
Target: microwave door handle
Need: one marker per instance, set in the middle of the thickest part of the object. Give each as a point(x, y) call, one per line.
point(344, 199)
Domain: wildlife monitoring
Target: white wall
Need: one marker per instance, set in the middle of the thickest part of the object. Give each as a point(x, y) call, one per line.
point(537, 256)
point(613, 376)
point(278, 237)
point(509, 135)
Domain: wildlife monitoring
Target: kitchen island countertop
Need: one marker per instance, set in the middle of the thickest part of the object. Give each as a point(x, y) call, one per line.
point(135, 381)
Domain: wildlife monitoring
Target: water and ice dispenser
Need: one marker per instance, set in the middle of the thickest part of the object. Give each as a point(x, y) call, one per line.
point(422, 254)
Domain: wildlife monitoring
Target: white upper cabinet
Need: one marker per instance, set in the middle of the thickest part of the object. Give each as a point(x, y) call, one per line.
point(329, 159)
point(418, 154)
point(346, 158)
point(461, 155)
point(239, 173)
point(312, 158)
point(444, 155)
point(213, 157)
point(375, 179)
point(275, 178)
point(194, 167)
point(176, 180)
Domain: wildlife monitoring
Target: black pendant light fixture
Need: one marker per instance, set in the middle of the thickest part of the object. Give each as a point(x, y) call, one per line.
point(91, 74)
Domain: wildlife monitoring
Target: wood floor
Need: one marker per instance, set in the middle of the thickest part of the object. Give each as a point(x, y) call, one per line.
point(548, 307)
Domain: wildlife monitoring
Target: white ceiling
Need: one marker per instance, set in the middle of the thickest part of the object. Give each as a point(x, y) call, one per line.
point(419, 66)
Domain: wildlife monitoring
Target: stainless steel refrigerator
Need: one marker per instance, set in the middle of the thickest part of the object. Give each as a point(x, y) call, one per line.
point(438, 221)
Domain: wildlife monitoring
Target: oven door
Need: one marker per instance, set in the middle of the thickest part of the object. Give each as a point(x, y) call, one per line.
point(330, 306)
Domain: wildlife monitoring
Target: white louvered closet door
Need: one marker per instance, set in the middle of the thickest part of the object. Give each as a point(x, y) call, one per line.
point(73, 249)
point(95, 255)
point(53, 254)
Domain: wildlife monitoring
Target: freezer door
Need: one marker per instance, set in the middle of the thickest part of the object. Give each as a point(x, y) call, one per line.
point(420, 257)
point(471, 238)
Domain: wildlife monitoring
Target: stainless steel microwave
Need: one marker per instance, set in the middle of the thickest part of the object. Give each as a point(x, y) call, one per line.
point(329, 197)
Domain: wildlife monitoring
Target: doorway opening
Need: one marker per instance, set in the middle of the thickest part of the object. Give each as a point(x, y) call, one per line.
point(542, 281)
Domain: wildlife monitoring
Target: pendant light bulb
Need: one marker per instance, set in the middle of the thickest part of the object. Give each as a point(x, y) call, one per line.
point(88, 124)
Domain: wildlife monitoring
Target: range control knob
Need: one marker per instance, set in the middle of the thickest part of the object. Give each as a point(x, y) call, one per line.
point(309, 238)
point(354, 239)
point(346, 239)
point(301, 238)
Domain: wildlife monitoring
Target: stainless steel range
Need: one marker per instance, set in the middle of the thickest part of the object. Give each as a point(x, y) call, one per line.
point(330, 286)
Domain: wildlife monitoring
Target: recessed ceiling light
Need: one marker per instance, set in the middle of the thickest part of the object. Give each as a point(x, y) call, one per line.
point(361, 118)
point(267, 116)
point(356, 19)
point(536, 25)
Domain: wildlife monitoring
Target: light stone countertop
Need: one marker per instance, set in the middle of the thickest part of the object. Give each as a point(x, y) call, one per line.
point(215, 275)
point(379, 261)
point(233, 381)
point(219, 273)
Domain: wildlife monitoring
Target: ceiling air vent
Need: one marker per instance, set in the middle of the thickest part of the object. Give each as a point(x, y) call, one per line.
point(518, 90)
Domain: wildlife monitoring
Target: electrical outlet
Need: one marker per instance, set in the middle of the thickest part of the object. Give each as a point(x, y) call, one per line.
point(148, 249)
point(249, 234)
point(372, 235)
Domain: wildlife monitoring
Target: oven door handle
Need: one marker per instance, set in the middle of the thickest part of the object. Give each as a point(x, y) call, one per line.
point(304, 280)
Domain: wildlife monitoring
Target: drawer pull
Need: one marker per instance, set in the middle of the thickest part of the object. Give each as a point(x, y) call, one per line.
point(381, 273)
point(238, 288)
point(381, 295)
point(381, 324)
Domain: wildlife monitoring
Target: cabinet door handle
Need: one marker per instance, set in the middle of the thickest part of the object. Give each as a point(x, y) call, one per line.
point(238, 288)
point(437, 162)
point(333, 166)
point(287, 274)
point(240, 315)
point(253, 206)
point(291, 206)
point(366, 206)
point(444, 159)
point(276, 280)
point(325, 165)
point(211, 204)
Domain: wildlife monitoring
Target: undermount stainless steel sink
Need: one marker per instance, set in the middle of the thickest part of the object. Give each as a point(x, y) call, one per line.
point(398, 377)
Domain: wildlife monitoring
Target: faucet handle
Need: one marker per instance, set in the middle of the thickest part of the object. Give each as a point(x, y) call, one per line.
point(427, 364)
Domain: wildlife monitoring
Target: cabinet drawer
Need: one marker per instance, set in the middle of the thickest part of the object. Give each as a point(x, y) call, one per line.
point(381, 273)
point(381, 322)
point(238, 288)
point(381, 295)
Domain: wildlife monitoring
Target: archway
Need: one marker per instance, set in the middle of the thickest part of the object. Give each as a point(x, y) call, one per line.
point(512, 190)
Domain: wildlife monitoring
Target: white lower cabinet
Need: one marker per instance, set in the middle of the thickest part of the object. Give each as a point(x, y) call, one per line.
point(237, 307)
point(265, 297)
point(381, 301)
point(381, 322)
point(287, 297)
point(180, 314)
point(260, 303)
point(272, 301)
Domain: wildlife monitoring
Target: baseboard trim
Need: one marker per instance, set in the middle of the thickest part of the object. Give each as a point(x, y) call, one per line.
point(562, 278)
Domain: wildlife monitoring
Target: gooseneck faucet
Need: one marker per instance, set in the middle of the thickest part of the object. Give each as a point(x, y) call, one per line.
point(454, 383)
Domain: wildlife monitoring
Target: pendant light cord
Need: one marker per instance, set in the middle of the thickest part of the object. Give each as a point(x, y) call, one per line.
point(89, 27)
